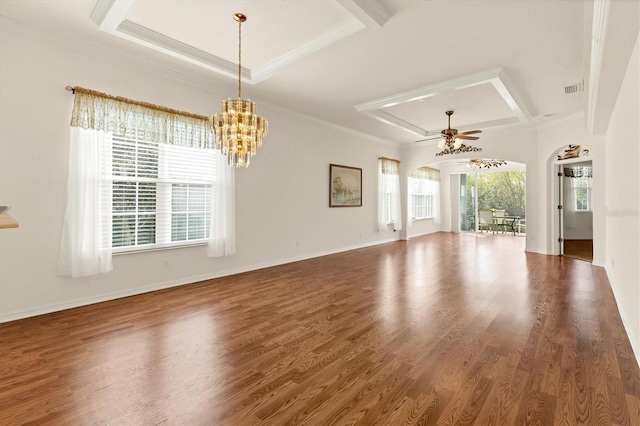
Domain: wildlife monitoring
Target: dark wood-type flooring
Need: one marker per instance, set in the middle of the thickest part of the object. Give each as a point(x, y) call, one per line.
point(443, 329)
point(580, 249)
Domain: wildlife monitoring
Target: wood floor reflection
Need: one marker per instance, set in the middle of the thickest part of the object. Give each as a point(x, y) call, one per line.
point(443, 329)
point(579, 249)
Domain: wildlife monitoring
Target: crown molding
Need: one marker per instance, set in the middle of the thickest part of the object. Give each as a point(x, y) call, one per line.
point(370, 12)
point(110, 16)
point(497, 77)
point(86, 49)
point(330, 125)
point(274, 66)
point(63, 42)
point(614, 32)
point(172, 47)
point(600, 13)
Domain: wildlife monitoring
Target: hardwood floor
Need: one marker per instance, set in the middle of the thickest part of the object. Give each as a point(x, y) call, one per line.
point(579, 249)
point(442, 329)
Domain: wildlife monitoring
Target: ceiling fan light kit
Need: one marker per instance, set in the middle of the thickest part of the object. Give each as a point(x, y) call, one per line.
point(479, 163)
point(451, 142)
point(463, 148)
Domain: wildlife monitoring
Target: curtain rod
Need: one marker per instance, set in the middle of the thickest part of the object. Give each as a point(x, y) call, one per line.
point(74, 89)
point(390, 159)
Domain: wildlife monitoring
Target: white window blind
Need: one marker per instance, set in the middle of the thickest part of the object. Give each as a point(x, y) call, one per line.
point(421, 199)
point(424, 193)
point(387, 188)
point(162, 194)
point(582, 193)
point(141, 176)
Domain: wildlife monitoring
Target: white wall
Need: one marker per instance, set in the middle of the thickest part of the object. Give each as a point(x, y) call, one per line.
point(623, 200)
point(281, 200)
point(511, 145)
point(550, 140)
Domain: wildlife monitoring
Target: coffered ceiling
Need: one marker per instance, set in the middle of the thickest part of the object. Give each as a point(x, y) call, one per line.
point(386, 69)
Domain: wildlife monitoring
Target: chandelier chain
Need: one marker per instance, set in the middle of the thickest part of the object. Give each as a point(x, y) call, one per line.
point(239, 59)
point(239, 132)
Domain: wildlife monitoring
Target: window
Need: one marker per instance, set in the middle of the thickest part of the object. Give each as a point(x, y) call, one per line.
point(582, 193)
point(161, 194)
point(387, 185)
point(421, 199)
point(424, 193)
point(141, 176)
point(389, 194)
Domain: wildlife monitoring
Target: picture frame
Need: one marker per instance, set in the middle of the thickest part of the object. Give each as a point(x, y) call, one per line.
point(345, 186)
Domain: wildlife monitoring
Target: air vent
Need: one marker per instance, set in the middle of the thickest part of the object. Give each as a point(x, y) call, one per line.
point(575, 88)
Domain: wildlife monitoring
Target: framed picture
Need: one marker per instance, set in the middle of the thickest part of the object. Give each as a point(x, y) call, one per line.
point(345, 186)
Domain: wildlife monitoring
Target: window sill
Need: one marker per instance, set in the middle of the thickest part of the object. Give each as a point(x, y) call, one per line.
point(419, 219)
point(143, 249)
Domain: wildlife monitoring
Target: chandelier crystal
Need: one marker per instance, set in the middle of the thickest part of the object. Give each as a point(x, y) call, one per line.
point(239, 132)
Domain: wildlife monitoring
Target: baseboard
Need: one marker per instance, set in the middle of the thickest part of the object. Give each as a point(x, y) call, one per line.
point(75, 303)
point(537, 251)
point(633, 339)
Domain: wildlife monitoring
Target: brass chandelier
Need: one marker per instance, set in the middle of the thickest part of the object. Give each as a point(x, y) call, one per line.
point(239, 132)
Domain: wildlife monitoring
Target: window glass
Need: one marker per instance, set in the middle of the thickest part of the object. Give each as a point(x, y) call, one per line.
point(161, 194)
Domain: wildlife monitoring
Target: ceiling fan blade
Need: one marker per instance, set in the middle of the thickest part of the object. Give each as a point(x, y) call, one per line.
point(470, 132)
point(471, 138)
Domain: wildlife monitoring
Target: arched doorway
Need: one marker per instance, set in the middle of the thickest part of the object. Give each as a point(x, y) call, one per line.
point(572, 194)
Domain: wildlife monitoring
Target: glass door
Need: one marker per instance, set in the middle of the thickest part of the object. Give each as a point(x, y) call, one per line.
point(468, 203)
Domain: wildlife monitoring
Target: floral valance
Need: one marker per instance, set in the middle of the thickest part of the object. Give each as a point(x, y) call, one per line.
point(390, 166)
point(425, 173)
point(140, 120)
point(578, 172)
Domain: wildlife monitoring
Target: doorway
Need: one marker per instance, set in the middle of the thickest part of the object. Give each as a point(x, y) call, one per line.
point(577, 214)
point(499, 194)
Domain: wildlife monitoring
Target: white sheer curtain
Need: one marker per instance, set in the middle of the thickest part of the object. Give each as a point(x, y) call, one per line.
point(389, 194)
point(396, 215)
point(86, 233)
point(569, 215)
point(223, 212)
point(382, 199)
point(433, 186)
point(87, 230)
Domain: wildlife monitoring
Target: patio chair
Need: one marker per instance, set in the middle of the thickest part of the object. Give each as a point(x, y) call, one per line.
point(498, 220)
point(485, 220)
point(522, 225)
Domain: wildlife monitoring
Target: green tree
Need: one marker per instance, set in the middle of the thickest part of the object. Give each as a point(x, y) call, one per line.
point(498, 190)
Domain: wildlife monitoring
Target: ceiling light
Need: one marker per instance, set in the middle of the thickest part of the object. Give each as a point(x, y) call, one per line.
point(477, 163)
point(451, 142)
point(238, 130)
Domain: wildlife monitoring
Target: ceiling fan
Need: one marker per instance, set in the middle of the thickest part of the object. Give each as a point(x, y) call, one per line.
point(451, 139)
